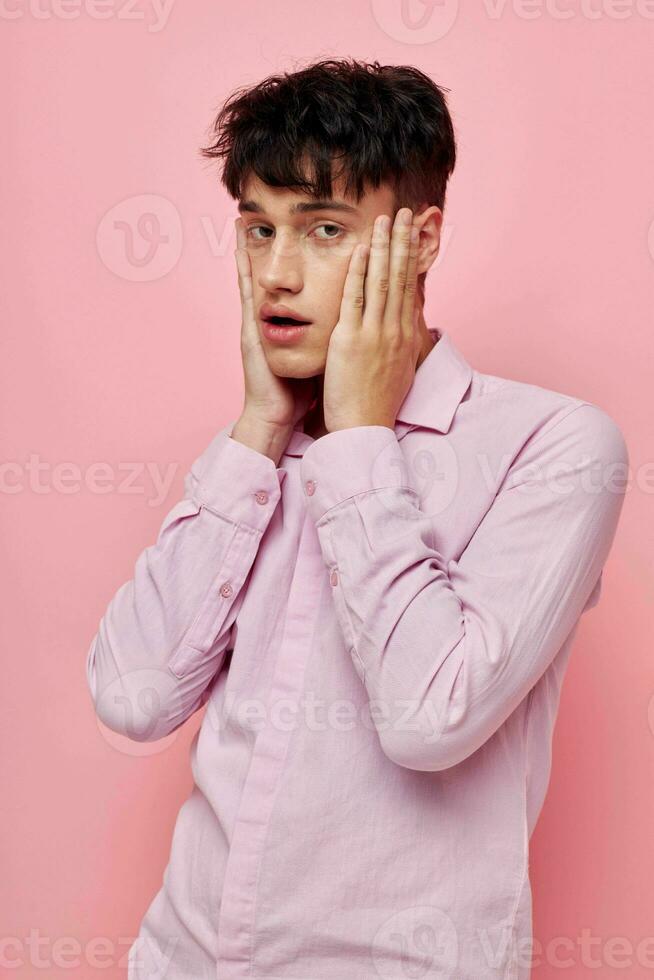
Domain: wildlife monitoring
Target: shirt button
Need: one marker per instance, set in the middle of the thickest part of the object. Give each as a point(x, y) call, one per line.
point(261, 497)
point(226, 590)
point(310, 487)
point(333, 577)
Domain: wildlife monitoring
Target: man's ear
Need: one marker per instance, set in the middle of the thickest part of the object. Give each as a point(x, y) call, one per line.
point(429, 222)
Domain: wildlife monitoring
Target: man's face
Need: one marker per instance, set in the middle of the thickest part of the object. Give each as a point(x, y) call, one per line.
point(299, 259)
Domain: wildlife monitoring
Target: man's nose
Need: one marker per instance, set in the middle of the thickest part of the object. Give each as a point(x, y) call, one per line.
point(282, 267)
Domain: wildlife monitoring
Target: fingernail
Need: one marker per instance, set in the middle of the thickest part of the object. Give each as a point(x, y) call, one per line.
point(405, 217)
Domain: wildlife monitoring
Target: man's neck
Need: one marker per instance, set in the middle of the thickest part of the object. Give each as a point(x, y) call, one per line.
point(314, 420)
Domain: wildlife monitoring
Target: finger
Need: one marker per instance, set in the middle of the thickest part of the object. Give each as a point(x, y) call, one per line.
point(242, 263)
point(376, 284)
point(399, 258)
point(244, 277)
point(408, 302)
point(353, 292)
point(241, 234)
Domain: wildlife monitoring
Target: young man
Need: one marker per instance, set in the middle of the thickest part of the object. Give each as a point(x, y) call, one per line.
point(373, 580)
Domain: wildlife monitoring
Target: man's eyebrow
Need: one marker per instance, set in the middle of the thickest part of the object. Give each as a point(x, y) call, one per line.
point(302, 208)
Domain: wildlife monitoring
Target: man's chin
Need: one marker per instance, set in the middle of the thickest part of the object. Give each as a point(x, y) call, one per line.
point(294, 364)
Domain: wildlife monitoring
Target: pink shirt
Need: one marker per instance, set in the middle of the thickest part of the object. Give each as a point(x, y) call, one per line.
point(379, 628)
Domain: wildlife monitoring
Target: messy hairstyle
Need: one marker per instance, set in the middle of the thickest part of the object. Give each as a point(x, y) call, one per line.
point(382, 123)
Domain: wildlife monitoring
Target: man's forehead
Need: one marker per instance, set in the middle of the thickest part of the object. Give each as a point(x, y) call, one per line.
point(259, 196)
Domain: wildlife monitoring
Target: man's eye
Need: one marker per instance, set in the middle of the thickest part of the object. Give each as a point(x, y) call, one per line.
point(335, 228)
point(331, 232)
point(253, 228)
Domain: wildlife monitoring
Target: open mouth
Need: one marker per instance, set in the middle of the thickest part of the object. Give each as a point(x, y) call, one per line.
point(286, 321)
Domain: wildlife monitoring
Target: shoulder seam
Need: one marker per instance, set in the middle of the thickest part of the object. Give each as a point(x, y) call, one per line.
point(535, 437)
point(554, 423)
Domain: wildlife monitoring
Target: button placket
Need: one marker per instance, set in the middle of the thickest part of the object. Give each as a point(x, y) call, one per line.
point(238, 917)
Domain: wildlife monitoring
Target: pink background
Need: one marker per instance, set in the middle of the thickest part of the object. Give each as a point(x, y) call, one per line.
point(124, 357)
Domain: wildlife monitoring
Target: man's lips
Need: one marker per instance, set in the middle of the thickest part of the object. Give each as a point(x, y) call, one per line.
point(282, 316)
point(286, 333)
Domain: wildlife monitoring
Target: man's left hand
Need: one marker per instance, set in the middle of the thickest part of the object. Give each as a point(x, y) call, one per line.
point(374, 347)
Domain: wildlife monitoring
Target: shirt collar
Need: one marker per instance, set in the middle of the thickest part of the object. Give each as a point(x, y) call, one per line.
point(440, 383)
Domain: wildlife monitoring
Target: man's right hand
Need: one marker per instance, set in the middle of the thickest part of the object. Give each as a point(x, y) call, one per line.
point(272, 405)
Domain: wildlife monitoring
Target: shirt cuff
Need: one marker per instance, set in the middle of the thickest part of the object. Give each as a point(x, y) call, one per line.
point(347, 462)
point(238, 482)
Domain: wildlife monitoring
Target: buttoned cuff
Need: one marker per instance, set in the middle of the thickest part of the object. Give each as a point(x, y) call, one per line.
point(238, 482)
point(347, 462)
